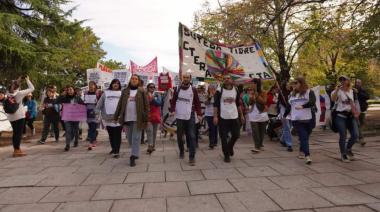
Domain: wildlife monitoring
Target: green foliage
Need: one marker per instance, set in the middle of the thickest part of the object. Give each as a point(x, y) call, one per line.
point(113, 64)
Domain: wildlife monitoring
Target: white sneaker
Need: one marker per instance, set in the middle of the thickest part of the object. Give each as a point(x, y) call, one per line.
point(308, 160)
point(254, 150)
point(301, 155)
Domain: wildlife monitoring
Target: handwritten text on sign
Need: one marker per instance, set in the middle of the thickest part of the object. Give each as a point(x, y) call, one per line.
point(74, 112)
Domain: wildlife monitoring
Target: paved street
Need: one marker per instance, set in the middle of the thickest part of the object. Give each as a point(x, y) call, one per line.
point(49, 179)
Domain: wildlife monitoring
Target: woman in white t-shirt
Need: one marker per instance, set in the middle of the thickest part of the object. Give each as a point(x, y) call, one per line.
point(209, 115)
point(343, 96)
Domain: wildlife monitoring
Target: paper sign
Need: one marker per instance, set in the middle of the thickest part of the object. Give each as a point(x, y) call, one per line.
point(90, 99)
point(74, 112)
point(112, 99)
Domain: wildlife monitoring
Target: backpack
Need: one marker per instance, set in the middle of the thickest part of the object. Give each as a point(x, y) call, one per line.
point(10, 105)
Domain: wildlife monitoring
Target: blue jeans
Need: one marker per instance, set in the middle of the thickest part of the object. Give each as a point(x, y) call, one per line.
point(212, 131)
point(186, 127)
point(71, 130)
point(92, 131)
point(286, 135)
point(134, 137)
point(304, 129)
point(344, 124)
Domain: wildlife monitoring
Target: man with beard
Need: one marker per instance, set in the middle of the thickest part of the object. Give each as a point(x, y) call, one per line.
point(185, 100)
point(226, 113)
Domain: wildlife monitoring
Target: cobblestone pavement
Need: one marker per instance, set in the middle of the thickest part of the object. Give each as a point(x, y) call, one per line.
point(49, 179)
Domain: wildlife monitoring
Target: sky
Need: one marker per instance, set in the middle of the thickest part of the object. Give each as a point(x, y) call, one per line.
point(138, 30)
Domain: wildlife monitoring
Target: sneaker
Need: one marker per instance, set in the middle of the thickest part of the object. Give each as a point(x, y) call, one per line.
point(308, 160)
point(116, 156)
point(111, 152)
point(345, 159)
point(192, 162)
point(227, 159)
point(350, 155)
point(67, 148)
point(181, 155)
point(132, 161)
point(89, 147)
point(42, 142)
point(362, 142)
point(290, 149)
point(232, 152)
point(24, 136)
point(301, 155)
point(18, 153)
point(283, 144)
point(94, 144)
point(255, 150)
point(75, 144)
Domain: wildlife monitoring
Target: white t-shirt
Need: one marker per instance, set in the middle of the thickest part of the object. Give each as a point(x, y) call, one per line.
point(299, 100)
point(184, 104)
point(111, 101)
point(343, 102)
point(228, 108)
point(256, 116)
point(130, 110)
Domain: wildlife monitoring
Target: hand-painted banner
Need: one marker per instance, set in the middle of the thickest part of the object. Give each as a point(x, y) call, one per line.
point(151, 68)
point(204, 58)
point(103, 68)
point(74, 112)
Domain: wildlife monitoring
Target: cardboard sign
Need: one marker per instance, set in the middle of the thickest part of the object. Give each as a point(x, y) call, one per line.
point(74, 112)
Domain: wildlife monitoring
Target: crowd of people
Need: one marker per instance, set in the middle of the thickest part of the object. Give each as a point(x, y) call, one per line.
point(225, 109)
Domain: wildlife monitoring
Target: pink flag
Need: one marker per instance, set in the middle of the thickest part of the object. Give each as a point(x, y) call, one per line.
point(151, 68)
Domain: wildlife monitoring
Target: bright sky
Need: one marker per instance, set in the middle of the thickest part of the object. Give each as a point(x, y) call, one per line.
point(138, 30)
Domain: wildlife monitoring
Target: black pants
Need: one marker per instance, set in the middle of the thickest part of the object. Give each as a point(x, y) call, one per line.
point(227, 126)
point(114, 134)
point(29, 123)
point(17, 127)
point(50, 121)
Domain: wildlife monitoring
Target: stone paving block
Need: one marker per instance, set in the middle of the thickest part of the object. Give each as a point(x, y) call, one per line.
point(3, 189)
point(118, 191)
point(58, 170)
point(94, 169)
point(164, 167)
point(205, 203)
point(20, 171)
point(22, 180)
point(371, 189)
point(374, 206)
point(167, 189)
point(260, 162)
point(334, 179)
point(220, 164)
point(23, 195)
point(344, 195)
point(290, 199)
point(151, 159)
point(327, 167)
point(88, 162)
point(70, 194)
point(43, 207)
point(80, 156)
point(252, 184)
point(294, 181)
point(176, 176)
point(93, 206)
point(358, 165)
point(145, 177)
point(125, 168)
point(367, 176)
point(140, 205)
point(215, 174)
point(210, 187)
point(246, 202)
point(292, 170)
point(358, 208)
point(198, 165)
point(63, 180)
point(99, 179)
point(259, 171)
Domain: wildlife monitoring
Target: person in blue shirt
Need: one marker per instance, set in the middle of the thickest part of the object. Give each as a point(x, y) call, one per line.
point(31, 113)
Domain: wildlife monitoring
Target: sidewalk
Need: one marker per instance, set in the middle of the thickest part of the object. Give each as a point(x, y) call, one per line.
point(49, 179)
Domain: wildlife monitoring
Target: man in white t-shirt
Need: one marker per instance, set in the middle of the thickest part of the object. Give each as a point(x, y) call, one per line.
point(226, 113)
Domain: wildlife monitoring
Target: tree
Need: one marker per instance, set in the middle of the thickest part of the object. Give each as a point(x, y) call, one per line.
point(113, 64)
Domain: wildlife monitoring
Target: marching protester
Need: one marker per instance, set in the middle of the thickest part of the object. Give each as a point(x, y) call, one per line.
point(283, 102)
point(201, 89)
point(346, 118)
point(209, 115)
point(132, 110)
point(90, 99)
point(106, 107)
point(155, 102)
point(184, 104)
point(71, 127)
point(16, 112)
point(50, 110)
point(258, 115)
point(226, 115)
point(78, 135)
point(363, 96)
point(31, 113)
point(302, 101)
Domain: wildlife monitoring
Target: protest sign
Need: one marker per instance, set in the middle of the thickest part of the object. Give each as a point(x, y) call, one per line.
point(74, 112)
point(150, 68)
point(122, 75)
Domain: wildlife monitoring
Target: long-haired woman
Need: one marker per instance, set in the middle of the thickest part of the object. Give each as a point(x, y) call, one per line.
point(155, 102)
point(90, 99)
point(132, 110)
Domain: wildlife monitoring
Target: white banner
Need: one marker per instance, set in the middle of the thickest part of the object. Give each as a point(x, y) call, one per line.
point(203, 58)
point(101, 78)
point(122, 75)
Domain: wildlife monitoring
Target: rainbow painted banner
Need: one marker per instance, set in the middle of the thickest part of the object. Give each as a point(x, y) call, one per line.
point(205, 59)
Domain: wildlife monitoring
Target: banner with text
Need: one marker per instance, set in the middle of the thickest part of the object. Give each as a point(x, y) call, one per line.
point(151, 68)
point(204, 58)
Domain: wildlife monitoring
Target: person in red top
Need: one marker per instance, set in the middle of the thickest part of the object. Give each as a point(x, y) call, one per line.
point(183, 104)
point(155, 102)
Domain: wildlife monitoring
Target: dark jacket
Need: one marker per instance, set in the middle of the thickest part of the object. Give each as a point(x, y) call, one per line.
point(363, 96)
point(51, 108)
point(142, 107)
